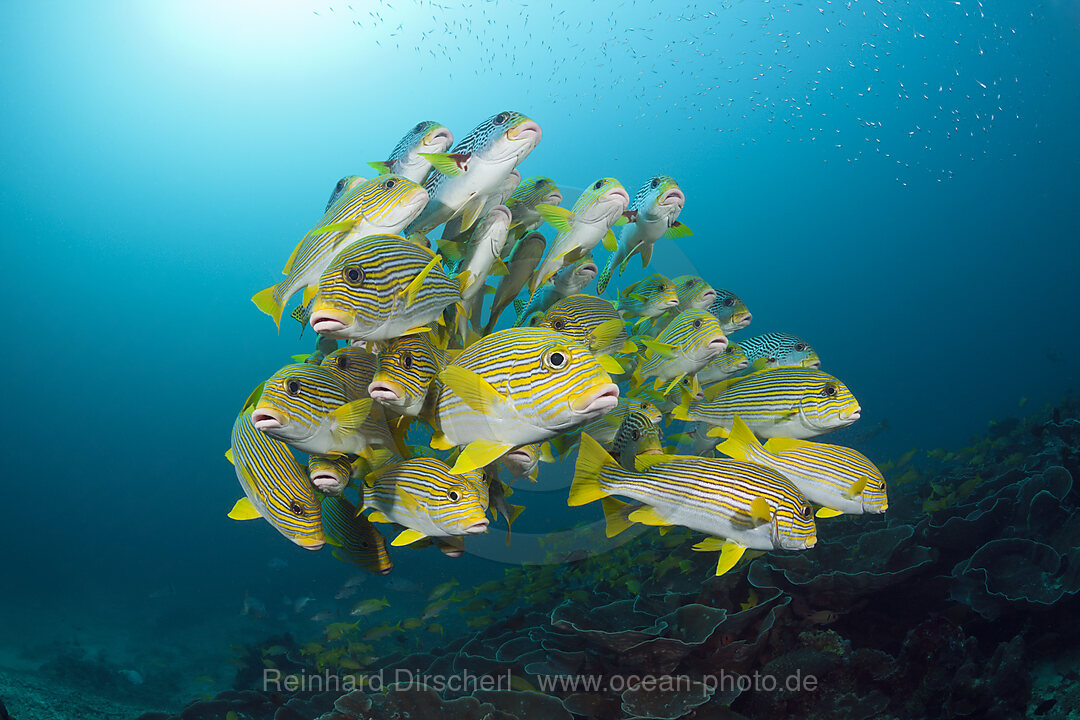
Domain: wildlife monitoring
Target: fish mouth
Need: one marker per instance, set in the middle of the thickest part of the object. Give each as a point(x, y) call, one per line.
point(554, 198)
point(618, 192)
point(441, 138)
point(651, 451)
point(501, 210)
point(671, 302)
point(603, 398)
point(814, 365)
point(477, 528)
point(265, 420)
point(384, 393)
point(707, 298)
point(674, 196)
point(518, 456)
point(327, 321)
point(588, 269)
point(742, 365)
point(453, 553)
point(527, 130)
point(324, 480)
point(384, 571)
point(718, 343)
point(851, 415)
point(744, 320)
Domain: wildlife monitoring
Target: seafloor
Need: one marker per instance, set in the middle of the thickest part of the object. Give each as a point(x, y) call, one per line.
point(959, 603)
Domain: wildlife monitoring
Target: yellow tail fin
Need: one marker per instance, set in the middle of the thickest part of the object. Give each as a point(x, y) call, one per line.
point(266, 300)
point(592, 458)
point(741, 444)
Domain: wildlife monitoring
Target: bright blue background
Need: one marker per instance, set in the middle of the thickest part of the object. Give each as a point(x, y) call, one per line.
point(160, 160)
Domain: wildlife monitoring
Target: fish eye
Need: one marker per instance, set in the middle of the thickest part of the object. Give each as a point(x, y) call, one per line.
point(418, 128)
point(556, 359)
point(558, 324)
point(829, 391)
point(342, 362)
point(807, 512)
point(598, 184)
point(660, 288)
point(353, 275)
point(389, 184)
point(688, 284)
point(292, 386)
point(728, 302)
point(800, 346)
point(655, 182)
point(407, 361)
point(453, 495)
point(635, 434)
point(697, 324)
point(295, 508)
point(364, 543)
point(340, 185)
point(501, 118)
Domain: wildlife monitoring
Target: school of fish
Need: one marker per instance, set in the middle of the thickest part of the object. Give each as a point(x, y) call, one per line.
point(420, 421)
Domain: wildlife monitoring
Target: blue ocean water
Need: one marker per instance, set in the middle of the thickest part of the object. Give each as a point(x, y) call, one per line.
point(894, 181)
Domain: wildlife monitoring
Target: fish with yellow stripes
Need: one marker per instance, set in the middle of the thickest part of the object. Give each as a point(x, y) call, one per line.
point(778, 349)
point(582, 227)
point(637, 435)
point(524, 257)
point(515, 387)
point(530, 192)
point(330, 474)
point(725, 365)
point(603, 429)
point(570, 280)
point(383, 205)
point(694, 292)
point(524, 461)
point(738, 504)
point(407, 158)
point(795, 403)
point(307, 407)
point(275, 485)
point(593, 322)
point(479, 258)
point(381, 288)
point(838, 479)
point(405, 372)
point(687, 345)
point(653, 214)
point(647, 298)
point(355, 538)
point(354, 366)
point(425, 497)
point(474, 168)
point(345, 185)
point(731, 311)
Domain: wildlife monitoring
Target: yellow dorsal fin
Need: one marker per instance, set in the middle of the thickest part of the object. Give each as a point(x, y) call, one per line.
point(779, 445)
point(741, 444)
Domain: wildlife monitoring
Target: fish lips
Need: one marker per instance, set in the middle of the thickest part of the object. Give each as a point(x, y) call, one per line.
point(526, 130)
point(265, 419)
point(386, 393)
point(477, 528)
point(601, 399)
point(327, 481)
point(850, 415)
point(673, 197)
point(330, 323)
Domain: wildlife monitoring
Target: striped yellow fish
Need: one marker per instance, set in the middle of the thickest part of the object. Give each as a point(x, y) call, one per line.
point(481, 257)
point(523, 260)
point(694, 292)
point(275, 486)
point(422, 495)
point(839, 479)
point(592, 322)
point(582, 227)
point(407, 160)
point(637, 435)
point(748, 505)
point(405, 372)
point(724, 365)
point(516, 387)
point(345, 185)
point(731, 311)
point(381, 288)
point(785, 402)
point(307, 407)
point(777, 349)
point(524, 461)
point(383, 205)
point(654, 214)
point(570, 280)
point(330, 474)
point(530, 192)
point(355, 539)
point(647, 298)
point(603, 430)
point(475, 168)
point(687, 345)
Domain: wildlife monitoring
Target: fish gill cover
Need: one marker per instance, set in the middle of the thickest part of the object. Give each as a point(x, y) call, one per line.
point(557, 409)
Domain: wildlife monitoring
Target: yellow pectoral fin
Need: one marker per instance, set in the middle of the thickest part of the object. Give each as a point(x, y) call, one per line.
point(610, 243)
point(498, 269)
point(610, 365)
point(451, 164)
point(477, 392)
point(309, 294)
point(558, 217)
point(378, 517)
point(605, 333)
point(648, 516)
point(857, 487)
point(478, 454)
point(254, 396)
point(760, 511)
point(717, 431)
point(350, 416)
point(244, 510)
point(825, 512)
point(229, 456)
point(407, 537)
point(730, 555)
point(380, 166)
point(406, 500)
point(471, 212)
point(677, 230)
point(417, 282)
point(660, 348)
point(440, 442)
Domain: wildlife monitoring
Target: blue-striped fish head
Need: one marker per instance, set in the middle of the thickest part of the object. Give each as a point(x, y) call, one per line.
point(405, 371)
point(649, 297)
point(425, 137)
point(601, 203)
point(850, 465)
point(659, 199)
point(455, 503)
point(344, 186)
point(276, 484)
point(522, 461)
point(793, 519)
point(637, 435)
point(777, 349)
point(330, 474)
point(508, 135)
point(296, 401)
point(580, 315)
point(731, 311)
point(826, 404)
point(355, 539)
point(366, 286)
point(732, 360)
point(531, 191)
point(550, 381)
point(694, 293)
point(354, 366)
point(575, 277)
point(697, 333)
point(388, 202)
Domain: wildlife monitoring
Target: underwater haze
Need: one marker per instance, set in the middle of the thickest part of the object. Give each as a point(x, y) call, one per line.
point(894, 183)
